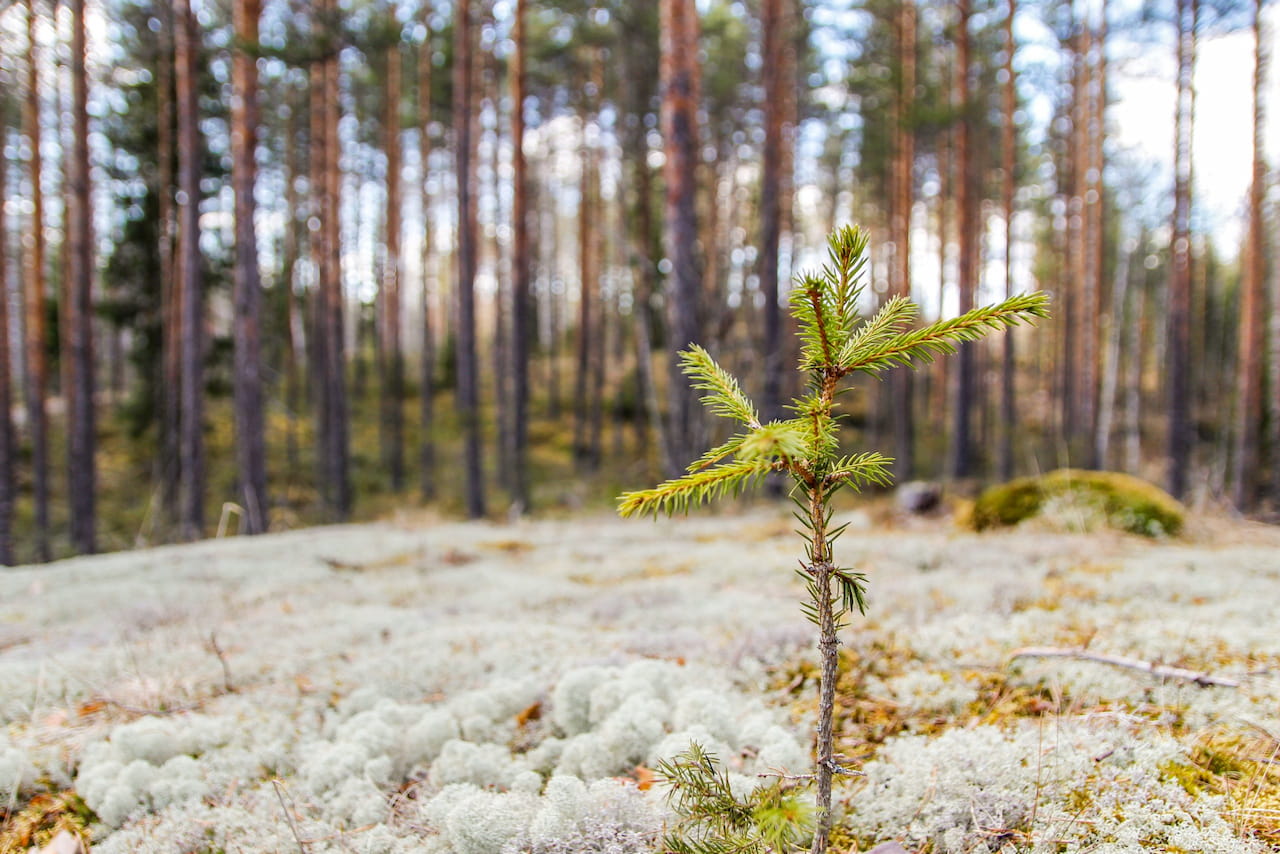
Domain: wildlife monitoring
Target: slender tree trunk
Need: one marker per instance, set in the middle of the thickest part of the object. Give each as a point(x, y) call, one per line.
point(903, 202)
point(961, 438)
point(521, 269)
point(1008, 153)
point(588, 292)
point(318, 341)
point(393, 382)
point(1252, 303)
point(427, 394)
point(81, 441)
point(36, 386)
point(680, 98)
point(775, 32)
point(293, 326)
point(1179, 315)
point(332, 297)
point(191, 438)
point(1135, 344)
point(468, 383)
point(1089, 209)
point(7, 444)
point(251, 453)
point(1111, 363)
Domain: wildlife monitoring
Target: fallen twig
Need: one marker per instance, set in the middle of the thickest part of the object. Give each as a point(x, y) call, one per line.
point(1160, 671)
point(288, 816)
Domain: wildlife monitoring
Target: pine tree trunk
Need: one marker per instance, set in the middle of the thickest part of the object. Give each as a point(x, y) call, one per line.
point(1087, 238)
point(7, 444)
point(251, 462)
point(1178, 334)
point(903, 201)
point(588, 287)
point(1096, 205)
point(36, 385)
point(680, 98)
point(318, 340)
point(961, 438)
point(289, 261)
point(393, 382)
point(427, 370)
point(468, 382)
point(191, 438)
point(774, 31)
point(521, 270)
point(331, 290)
point(1252, 304)
point(1008, 377)
point(81, 436)
point(1111, 373)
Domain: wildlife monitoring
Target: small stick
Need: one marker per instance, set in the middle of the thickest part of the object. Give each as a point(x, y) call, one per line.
point(1160, 671)
point(288, 816)
point(227, 684)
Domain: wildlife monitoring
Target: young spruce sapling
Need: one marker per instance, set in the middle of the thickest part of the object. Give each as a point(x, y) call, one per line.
point(836, 342)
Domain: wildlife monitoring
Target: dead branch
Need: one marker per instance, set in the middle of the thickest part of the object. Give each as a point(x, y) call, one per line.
point(1160, 671)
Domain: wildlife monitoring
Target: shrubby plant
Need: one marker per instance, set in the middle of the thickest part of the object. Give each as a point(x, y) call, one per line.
point(836, 342)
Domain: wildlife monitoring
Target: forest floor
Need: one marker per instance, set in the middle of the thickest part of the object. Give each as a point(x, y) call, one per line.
point(422, 684)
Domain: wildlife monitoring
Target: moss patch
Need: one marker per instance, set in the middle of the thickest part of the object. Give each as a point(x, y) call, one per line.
point(43, 818)
point(1081, 499)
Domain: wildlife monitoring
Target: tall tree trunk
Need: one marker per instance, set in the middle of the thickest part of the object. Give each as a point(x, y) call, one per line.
point(318, 341)
point(1095, 201)
point(290, 251)
point(7, 445)
point(1008, 154)
point(588, 293)
point(903, 199)
point(680, 80)
point(1111, 362)
point(775, 31)
point(1089, 209)
point(1135, 344)
point(251, 453)
point(1178, 344)
point(191, 438)
point(427, 394)
point(521, 269)
point(468, 382)
point(36, 386)
point(81, 441)
point(392, 386)
point(335, 381)
point(171, 283)
point(1252, 304)
point(961, 439)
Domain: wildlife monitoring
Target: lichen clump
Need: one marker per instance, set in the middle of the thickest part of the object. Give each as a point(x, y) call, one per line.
point(1082, 500)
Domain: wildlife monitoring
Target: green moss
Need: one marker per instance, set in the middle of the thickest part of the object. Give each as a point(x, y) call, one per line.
point(1119, 500)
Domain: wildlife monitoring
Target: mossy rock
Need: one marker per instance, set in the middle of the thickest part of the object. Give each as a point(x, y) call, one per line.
point(1117, 500)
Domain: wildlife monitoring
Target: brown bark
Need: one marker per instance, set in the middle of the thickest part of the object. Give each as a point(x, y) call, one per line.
point(903, 198)
point(588, 293)
point(1096, 206)
point(680, 81)
point(1252, 304)
point(1008, 139)
point(392, 385)
point(1088, 237)
point(318, 340)
point(961, 439)
point(251, 462)
point(1178, 335)
point(81, 441)
point(521, 269)
point(290, 251)
point(775, 30)
point(427, 451)
point(36, 386)
point(468, 382)
point(335, 383)
point(7, 445)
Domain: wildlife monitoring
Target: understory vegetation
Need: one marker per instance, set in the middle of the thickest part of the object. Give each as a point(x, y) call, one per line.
point(360, 689)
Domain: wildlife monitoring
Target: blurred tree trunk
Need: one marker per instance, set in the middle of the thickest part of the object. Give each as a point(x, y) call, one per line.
point(251, 453)
point(335, 382)
point(1096, 207)
point(426, 396)
point(7, 444)
point(289, 261)
point(1248, 455)
point(521, 269)
point(680, 80)
point(588, 295)
point(1178, 335)
point(37, 370)
point(171, 282)
point(1088, 238)
point(81, 437)
point(902, 201)
point(961, 438)
point(1008, 155)
point(775, 31)
point(392, 385)
point(468, 383)
point(318, 341)
point(191, 439)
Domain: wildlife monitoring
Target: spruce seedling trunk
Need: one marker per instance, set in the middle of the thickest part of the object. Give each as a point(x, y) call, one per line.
point(836, 341)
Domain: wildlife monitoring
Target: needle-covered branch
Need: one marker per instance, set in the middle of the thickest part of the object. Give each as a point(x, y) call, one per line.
point(678, 495)
point(721, 392)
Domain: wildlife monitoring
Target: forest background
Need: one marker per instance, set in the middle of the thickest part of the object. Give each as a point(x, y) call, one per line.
point(273, 263)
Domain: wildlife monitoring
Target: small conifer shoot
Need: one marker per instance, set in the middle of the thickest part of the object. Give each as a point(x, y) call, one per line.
point(836, 342)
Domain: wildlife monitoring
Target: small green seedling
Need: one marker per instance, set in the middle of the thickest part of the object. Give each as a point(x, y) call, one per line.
point(836, 342)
